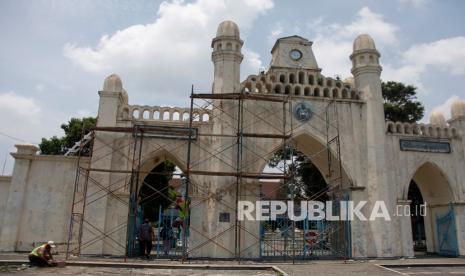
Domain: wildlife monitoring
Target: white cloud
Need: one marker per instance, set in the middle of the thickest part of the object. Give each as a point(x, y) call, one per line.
point(25, 120)
point(169, 54)
point(333, 42)
point(373, 24)
point(254, 61)
point(20, 120)
point(275, 33)
point(444, 55)
point(445, 107)
point(333, 46)
point(13, 105)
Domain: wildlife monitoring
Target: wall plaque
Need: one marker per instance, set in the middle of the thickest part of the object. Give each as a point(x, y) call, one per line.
point(224, 217)
point(424, 146)
point(303, 111)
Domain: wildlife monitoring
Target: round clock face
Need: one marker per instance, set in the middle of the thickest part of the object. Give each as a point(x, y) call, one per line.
point(295, 54)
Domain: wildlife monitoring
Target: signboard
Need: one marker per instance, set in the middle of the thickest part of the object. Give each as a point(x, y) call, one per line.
point(424, 146)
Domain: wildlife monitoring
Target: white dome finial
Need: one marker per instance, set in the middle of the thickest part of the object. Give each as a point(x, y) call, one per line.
point(436, 118)
point(364, 56)
point(364, 42)
point(113, 83)
point(457, 109)
point(228, 28)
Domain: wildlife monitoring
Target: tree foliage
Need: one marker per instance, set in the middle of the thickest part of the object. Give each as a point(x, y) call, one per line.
point(73, 133)
point(400, 104)
point(309, 183)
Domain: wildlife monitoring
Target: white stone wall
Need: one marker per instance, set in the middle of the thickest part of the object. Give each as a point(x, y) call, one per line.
point(402, 168)
point(5, 182)
point(39, 201)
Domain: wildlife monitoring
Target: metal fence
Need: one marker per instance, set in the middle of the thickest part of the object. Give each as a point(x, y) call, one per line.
point(305, 239)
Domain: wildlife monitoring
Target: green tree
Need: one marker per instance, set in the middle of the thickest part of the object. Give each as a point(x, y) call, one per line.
point(400, 104)
point(73, 132)
point(309, 183)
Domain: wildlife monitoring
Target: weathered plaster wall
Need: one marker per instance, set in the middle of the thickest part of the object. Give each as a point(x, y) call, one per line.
point(39, 201)
point(5, 182)
point(441, 183)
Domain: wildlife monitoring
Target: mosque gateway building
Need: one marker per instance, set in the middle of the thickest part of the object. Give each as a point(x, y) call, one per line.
point(93, 203)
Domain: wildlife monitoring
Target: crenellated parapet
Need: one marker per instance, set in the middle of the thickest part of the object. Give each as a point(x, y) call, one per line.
point(423, 130)
point(163, 113)
point(306, 83)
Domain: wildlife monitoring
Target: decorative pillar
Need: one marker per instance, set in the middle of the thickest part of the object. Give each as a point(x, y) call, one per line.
point(366, 71)
point(10, 226)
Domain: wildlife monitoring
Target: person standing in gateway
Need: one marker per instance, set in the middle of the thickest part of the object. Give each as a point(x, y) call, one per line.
point(145, 239)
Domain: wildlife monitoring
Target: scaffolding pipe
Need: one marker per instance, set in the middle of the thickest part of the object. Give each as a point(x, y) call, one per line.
point(188, 171)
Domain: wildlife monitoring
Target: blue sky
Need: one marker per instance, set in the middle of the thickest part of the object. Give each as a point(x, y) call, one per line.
point(54, 55)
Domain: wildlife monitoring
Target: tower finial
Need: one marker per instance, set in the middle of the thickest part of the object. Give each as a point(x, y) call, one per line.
point(365, 57)
point(228, 28)
point(113, 83)
point(436, 118)
point(457, 109)
point(227, 58)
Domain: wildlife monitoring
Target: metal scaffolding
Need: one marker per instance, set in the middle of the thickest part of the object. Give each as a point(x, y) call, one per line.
point(235, 112)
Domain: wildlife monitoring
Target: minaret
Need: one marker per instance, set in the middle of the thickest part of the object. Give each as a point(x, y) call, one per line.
point(227, 58)
point(112, 96)
point(366, 71)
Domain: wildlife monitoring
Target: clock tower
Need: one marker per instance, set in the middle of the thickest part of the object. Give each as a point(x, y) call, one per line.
point(293, 52)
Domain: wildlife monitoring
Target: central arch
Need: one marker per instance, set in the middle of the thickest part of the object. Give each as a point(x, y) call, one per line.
point(317, 238)
point(161, 201)
point(316, 149)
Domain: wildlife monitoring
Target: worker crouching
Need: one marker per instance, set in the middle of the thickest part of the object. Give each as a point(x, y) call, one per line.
point(42, 255)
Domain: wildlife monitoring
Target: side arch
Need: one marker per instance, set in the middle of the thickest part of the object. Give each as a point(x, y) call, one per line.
point(437, 194)
point(428, 172)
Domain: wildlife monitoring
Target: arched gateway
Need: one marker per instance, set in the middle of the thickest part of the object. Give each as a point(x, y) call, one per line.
point(223, 142)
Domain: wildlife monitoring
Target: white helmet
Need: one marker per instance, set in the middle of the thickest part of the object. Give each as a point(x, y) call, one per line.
point(52, 244)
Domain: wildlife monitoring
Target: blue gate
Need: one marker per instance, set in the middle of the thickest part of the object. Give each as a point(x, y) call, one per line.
point(170, 245)
point(447, 234)
point(307, 239)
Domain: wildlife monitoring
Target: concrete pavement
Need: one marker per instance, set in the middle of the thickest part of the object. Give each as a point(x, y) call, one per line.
point(119, 266)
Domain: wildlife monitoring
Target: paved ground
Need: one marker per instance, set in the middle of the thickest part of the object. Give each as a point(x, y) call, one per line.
point(434, 266)
point(431, 270)
point(359, 269)
point(79, 270)
point(375, 267)
point(367, 268)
